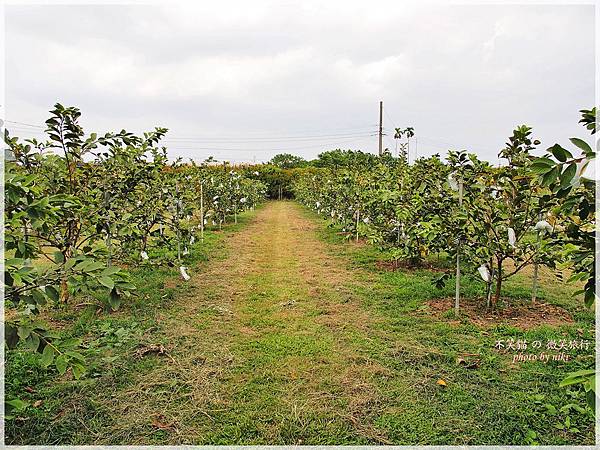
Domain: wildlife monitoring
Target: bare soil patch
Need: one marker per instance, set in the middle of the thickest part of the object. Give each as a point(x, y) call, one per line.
point(392, 266)
point(517, 314)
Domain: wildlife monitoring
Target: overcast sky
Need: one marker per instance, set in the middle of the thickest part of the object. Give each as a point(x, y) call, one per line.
point(245, 80)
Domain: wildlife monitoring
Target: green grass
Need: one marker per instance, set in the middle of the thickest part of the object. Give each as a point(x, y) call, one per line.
point(69, 409)
point(496, 403)
point(351, 357)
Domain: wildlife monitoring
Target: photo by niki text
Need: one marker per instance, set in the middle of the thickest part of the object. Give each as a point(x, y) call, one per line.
point(561, 350)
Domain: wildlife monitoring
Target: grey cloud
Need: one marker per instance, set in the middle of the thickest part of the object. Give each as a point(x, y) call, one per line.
point(461, 75)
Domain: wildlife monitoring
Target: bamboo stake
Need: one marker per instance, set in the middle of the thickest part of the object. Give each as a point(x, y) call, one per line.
point(201, 213)
point(458, 244)
point(177, 223)
point(536, 265)
point(108, 236)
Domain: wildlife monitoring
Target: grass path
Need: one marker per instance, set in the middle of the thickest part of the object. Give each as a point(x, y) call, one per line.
point(289, 335)
point(262, 349)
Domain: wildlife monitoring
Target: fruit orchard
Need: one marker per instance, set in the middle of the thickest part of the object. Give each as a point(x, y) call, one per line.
point(83, 212)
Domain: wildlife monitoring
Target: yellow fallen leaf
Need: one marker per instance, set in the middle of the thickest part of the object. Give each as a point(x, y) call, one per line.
point(441, 382)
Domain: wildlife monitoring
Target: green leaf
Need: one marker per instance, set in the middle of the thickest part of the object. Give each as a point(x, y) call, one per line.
point(110, 271)
point(17, 404)
point(51, 292)
point(577, 377)
point(78, 370)
point(61, 364)
point(543, 161)
point(114, 300)
point(10, 335)
point(77, 356)
point(59, 258)
point(24, 332)
point(32, 342)
point(560, 153)
point(590, 397)
point(550, 177)
point(542, 165)
point(93, 266)
point(581, 144)
point(589, 297)
point(47, 356)
point(568, 174)
point(39, 297)
point(107, 281)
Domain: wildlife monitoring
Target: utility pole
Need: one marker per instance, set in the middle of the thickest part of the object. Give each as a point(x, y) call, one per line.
point(380, 128)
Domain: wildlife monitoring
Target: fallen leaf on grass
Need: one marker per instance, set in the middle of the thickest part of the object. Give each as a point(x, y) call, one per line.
point(152, 348)
point(37, 403)
point(159, 422)
point(468, 364)
point(441, 382)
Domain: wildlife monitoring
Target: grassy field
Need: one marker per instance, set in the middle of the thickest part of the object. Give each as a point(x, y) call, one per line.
point(287, 334)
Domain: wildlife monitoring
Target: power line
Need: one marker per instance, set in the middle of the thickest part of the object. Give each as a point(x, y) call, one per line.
point(267, 139)
point(262, 149)
point(390, 119)
point(355, 132)
point(278, 134)
point(23, 123)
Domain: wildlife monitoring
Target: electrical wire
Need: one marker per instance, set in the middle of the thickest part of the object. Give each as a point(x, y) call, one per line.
point(23, 123)
point(263, 149)
point(267, 139)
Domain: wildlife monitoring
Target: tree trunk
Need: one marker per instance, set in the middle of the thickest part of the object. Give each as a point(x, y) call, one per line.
point(145, 240)
point(498, 282)
point(64, 286)
point(488, 295)
point(535, 282)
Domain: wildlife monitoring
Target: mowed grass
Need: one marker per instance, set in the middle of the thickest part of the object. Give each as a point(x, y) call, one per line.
point(287, 334)
point(497, 402)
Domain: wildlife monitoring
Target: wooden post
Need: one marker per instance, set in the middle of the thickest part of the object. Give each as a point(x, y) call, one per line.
point(381, 128)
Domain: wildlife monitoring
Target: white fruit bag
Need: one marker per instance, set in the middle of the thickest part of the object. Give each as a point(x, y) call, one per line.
point(452, 182)
point(485, 273)
point(512, 238)
point(184, 275)
point(543, 226)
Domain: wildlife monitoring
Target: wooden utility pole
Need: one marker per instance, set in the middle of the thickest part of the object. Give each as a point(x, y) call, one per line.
point(380, 128)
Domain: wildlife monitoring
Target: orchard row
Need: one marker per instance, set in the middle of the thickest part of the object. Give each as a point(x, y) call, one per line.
point(79, 209)
point(490, 221)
